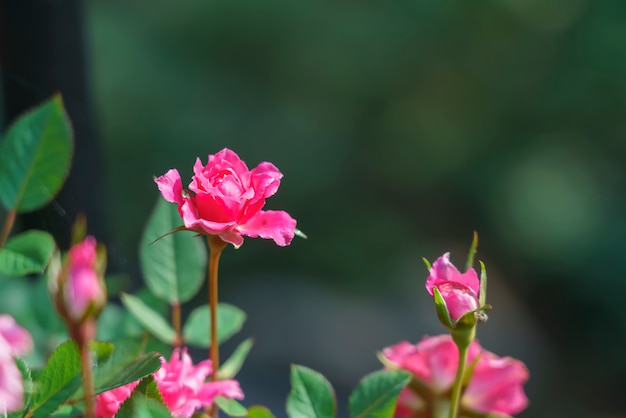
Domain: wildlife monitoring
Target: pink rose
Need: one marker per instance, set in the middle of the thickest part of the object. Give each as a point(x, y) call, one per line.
point(459, 290)
point(83, 287)
point(495, 386)
point(11, 389)
point(225, 199)
point(18, 339)
point(109, 402)
point(14, 341)
point(182, 385)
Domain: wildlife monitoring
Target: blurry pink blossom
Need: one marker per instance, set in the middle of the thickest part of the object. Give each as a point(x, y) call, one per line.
point(459, 290)
point(495, 386)
point(18, 339)
point(226, 199)
point(182, 385)
point(14, 341)
point(83, 287)
point(109, 402)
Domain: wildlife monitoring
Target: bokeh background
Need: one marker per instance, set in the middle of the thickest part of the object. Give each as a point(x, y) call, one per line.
point(400, 127)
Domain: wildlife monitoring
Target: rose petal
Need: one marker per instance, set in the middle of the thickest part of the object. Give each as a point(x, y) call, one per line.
point(444, 271)
point(265, 179)
point(274, 224)
point(17, 338)
point(11, 389)
point(170, 186)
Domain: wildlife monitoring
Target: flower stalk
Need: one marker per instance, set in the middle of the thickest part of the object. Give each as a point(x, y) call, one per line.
point(216, 246)
point(455, 398)
point(7, 226)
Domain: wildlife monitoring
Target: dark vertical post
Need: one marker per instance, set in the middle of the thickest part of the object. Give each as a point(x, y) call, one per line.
point(42, 51)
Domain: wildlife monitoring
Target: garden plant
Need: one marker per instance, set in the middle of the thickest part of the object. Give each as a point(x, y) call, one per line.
point(100, 359)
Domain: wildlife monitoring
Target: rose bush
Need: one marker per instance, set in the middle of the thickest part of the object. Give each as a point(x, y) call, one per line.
point(459, 290)
point(225, 198)
point(181, 384)
point(496, 386)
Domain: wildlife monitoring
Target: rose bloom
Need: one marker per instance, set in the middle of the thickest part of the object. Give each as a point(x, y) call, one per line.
point(225, 199)
point(459, 290)
point(181, 384)
point(18, 339)
point(495, 386)
point(83, 286)
point(14, 341)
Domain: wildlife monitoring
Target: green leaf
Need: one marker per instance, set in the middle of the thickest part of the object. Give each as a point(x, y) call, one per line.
point(442, 309)
point(127, 364)
point(102, 351)
point(60, 378)
point(482, 293)
point(149, 318)
point(231, 367)
point(35, 157)
point(26, 253)
point(472, 252)
point(231, 407)
point(173, 265)
point(196, 330)
point(259, 411)
point(377, 394)
point(145, 401)
point(311, 396)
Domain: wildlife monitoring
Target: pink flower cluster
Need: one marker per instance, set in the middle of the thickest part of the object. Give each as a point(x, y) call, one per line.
point(225, 198)
point(495, 386)
point(181, 384)
point(459, 290)
point(14, 341)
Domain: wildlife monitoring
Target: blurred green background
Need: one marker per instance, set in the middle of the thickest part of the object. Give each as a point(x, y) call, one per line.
point(400, 127)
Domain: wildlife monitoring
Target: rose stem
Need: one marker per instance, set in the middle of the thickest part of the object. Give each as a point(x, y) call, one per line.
point(84, 334)
point(176, 324)
point(6, 228)
point(216, 245)
point(458, 381)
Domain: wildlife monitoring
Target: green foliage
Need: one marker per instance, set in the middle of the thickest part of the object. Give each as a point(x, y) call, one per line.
point(60, 378)
point(442, 309)
point(231, 367)
point(26, 253)
point(35, 157)
point(230, 319)
point(377, 394)
point(311, 396)
point(482, 295)
point(127, 364)
point(258, 411)
point(231, 407)
point(149, 318)
point(145, 401)
point(173, 265)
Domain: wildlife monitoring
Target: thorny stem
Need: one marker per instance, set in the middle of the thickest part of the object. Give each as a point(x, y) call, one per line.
point(216, 245)
point(6, 228)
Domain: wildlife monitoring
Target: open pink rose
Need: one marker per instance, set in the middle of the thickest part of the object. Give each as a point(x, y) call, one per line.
point(83, 287)
point(183, 386)
point(495, 386)
point(225, 199)
point(459, 290)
